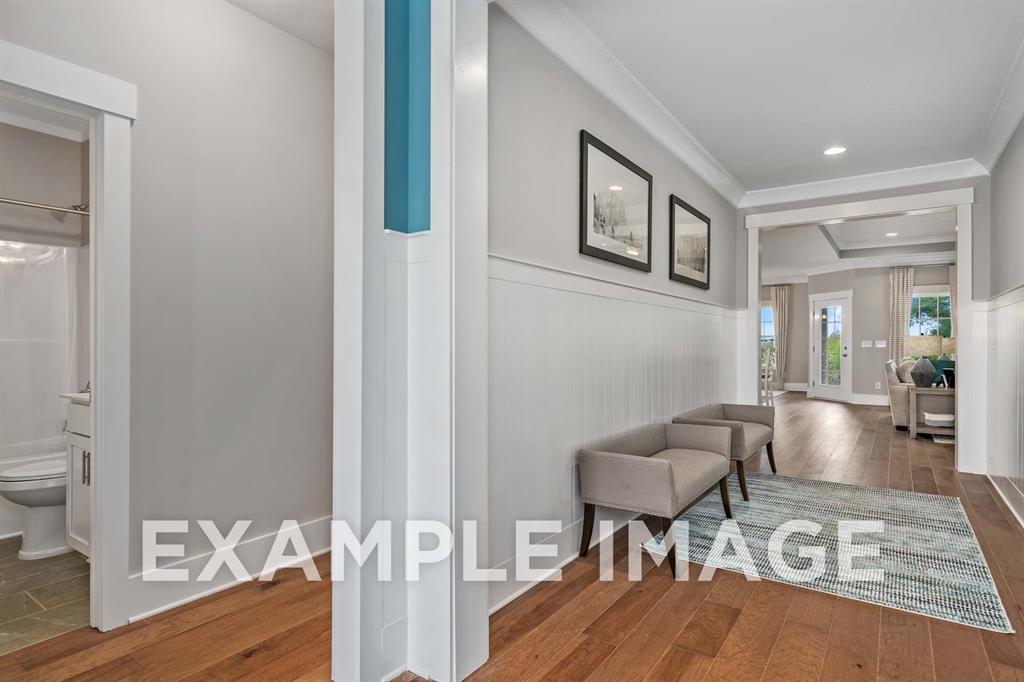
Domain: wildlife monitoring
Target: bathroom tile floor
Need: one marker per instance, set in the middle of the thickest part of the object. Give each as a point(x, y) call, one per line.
point(42, 598)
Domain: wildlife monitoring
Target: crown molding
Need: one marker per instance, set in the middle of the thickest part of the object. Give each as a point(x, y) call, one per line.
point(1005, 117)
point(869, 182)
point(562, 33)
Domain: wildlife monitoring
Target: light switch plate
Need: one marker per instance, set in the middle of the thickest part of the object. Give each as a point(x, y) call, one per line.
point(867, 344)
point(880, 344)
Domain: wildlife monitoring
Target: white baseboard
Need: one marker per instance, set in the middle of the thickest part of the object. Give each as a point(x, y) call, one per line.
point(795, 386)
point(151, 598)
point(869, 399)
point(571, 534)
point(1011, 496)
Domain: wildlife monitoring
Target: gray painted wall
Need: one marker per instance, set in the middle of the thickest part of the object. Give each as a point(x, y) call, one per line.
point(870, 287)
point(231, 254)
point(1008, 216)
point(537, 107)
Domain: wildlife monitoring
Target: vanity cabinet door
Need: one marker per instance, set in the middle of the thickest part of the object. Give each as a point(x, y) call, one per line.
point(79, 516)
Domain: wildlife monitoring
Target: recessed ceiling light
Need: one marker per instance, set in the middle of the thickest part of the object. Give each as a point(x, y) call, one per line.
point(832, 151)
point(615, 188)
point(892, 234)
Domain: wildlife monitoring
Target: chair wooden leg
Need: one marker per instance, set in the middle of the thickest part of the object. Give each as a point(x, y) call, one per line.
point(771, 457)
point(743, 480)
point(723, 486)
point(588, 528)
point(666, 529)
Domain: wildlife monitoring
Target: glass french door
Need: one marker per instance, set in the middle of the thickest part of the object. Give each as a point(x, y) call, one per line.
point(831, 359)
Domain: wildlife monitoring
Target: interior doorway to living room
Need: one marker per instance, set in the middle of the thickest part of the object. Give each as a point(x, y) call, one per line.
point(864, 311)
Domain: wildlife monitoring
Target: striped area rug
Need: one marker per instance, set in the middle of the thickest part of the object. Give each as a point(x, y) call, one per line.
point(928, 551)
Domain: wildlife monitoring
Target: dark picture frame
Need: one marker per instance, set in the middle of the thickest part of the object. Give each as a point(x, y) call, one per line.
point(677, 271)
point(613, 237)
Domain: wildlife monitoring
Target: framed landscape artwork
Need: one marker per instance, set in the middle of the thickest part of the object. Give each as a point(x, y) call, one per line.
point(615, 206)
point(689, 244)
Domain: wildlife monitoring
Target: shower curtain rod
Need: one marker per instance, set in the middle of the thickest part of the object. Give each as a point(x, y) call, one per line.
point(78, 209)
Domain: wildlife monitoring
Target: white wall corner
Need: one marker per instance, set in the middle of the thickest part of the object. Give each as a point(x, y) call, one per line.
point(1005, 117)
point(561, 32)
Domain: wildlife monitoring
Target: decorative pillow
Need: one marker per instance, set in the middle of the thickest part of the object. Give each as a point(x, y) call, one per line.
point(903, 371)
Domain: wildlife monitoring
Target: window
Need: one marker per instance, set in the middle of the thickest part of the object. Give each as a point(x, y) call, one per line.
point(930, 315)
point(767, 326)
point(767, 333)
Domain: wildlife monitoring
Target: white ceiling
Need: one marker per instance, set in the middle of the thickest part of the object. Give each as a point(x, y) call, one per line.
point(766, 86)
point(795, 252)
point(925, 228)
point(308, 20)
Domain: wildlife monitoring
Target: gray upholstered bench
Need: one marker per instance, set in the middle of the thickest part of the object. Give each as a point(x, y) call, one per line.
point(752, 426)
point(660, 470)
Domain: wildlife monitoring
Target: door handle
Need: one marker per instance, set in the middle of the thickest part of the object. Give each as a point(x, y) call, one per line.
point(87, 470)
point(83, 467)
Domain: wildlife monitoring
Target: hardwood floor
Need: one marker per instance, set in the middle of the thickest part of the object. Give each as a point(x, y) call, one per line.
point(277, 630)
point(731, 629)
point(656, 629)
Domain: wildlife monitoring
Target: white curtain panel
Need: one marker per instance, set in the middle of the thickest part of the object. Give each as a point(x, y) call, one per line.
point(780, 311)
point(952, 300)
point(901, 295)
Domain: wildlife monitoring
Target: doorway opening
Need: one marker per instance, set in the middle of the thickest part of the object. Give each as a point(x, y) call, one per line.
point(875, 293)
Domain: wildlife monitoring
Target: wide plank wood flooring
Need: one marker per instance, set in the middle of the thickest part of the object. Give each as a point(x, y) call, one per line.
point(657, 629)
point(732, 629)
point(275, 631)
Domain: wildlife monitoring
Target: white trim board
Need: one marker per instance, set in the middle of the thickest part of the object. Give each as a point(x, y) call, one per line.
point(794, 277)
point(45, 128)
point(1005, 117)
point(156, 597)
point(562, 33)
point(860, 209)
point(1011, 496)
point(868, 399)
point(515, 270)
point(38, 72)
point(869, 182)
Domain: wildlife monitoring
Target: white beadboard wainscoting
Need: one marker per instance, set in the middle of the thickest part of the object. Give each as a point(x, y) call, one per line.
point(1006, 397)
point(574, 359)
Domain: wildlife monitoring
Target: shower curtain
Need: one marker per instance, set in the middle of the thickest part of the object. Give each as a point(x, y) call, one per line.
point(37, 346)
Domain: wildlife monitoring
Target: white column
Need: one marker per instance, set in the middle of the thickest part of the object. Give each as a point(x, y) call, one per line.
point(349, 87)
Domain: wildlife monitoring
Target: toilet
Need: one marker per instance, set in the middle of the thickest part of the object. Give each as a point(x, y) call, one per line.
point(40, 487)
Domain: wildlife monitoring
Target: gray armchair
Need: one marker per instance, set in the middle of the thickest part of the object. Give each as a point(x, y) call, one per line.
point(752, 427)
point(660, 470)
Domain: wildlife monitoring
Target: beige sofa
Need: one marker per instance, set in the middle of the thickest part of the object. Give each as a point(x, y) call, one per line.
point(898, 383)
point(752, 426)
point(660, 470)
